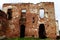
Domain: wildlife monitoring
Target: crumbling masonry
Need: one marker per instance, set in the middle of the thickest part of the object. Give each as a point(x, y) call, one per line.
point(24, 20)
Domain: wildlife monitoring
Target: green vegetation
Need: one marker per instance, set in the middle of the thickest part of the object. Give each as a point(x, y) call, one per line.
point(26, 39)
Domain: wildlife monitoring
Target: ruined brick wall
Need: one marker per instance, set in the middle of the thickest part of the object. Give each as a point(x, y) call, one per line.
point(32, 13)
point(13, 28)
point(49, 19)
point(3, 24)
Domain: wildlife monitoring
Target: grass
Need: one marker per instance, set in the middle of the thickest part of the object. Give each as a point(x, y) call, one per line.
point(26, 39)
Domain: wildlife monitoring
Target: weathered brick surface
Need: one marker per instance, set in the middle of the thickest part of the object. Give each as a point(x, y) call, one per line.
point(32, 12)
point(3, 23)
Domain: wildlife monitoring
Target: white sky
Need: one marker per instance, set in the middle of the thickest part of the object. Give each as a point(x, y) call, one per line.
point(57, 5)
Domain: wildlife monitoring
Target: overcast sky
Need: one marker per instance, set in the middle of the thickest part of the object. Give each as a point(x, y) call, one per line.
point(56, 2)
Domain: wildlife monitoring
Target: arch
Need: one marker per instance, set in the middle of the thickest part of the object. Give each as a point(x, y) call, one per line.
point(22, 30)
point(42, 32)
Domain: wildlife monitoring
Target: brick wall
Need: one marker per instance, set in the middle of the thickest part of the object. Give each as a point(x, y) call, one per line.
point(32, 12)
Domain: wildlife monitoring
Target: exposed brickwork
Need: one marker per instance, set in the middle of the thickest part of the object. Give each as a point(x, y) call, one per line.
point(32, 12)
point(3, 24)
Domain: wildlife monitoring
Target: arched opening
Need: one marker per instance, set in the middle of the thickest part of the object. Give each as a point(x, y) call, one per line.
point(22, 30)
point(42, 33)
point(9, 14)
point(22, 21)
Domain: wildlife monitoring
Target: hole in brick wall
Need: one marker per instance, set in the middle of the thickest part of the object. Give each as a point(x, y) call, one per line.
point(41, 13)
point(23, 11)
point(33, 19)
point(23, 16)
point(42, 32)
point(9, 14)
point(22, 30)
